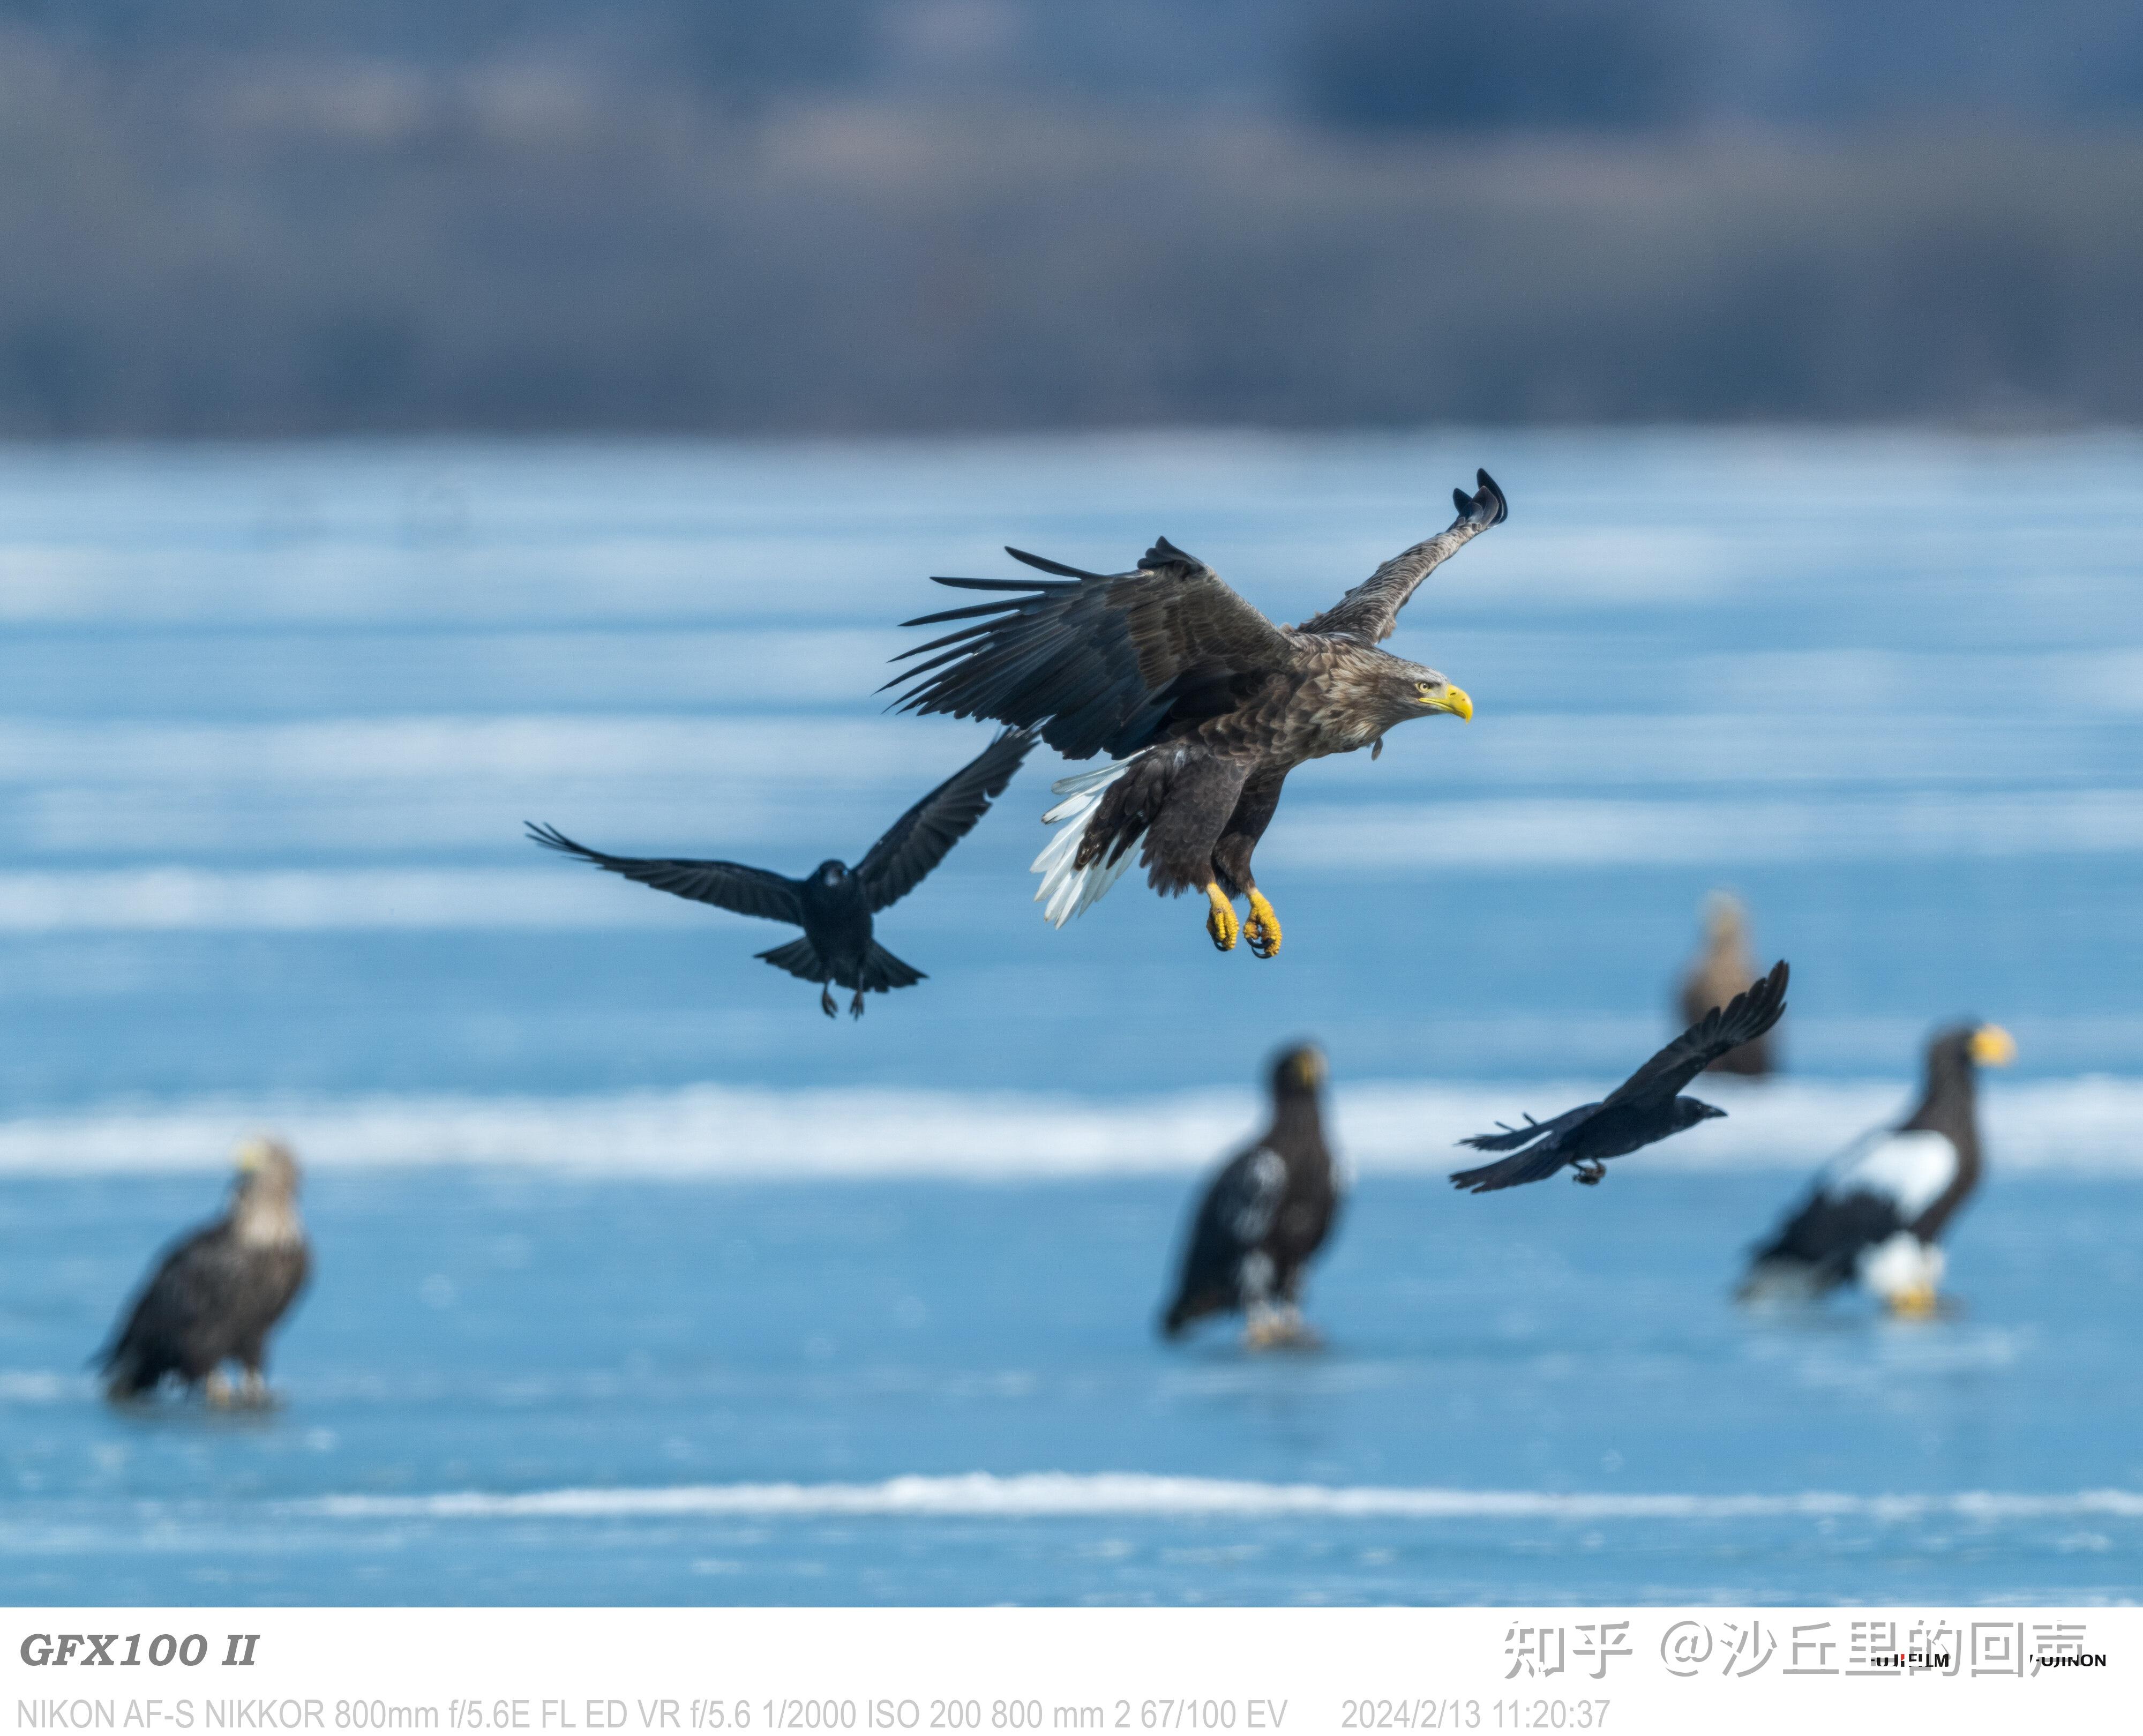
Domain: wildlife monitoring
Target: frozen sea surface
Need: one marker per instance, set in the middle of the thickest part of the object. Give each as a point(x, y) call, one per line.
point(536, 1389)
point(638, 1279)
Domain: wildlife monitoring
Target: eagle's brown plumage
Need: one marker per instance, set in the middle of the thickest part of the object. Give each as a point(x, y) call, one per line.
point(1205, 704)
point(1717, 976)
point(214, 1296)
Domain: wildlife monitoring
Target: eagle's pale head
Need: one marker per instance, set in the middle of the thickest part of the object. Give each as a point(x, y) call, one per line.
point(1408, 689)
point(266, 1165)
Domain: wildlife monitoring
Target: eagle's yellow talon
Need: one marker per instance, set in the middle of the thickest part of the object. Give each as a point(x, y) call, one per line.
point(1220, 923)
point(1920, 1303)
point(1261, 927)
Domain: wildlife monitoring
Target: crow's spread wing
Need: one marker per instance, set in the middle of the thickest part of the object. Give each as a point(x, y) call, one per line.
point(1747, 1016)
point(1536, 1163)
point(917, 842)
point(748, 891)
point(1098, 662)
point(1510, 1138)
point(1371, 609)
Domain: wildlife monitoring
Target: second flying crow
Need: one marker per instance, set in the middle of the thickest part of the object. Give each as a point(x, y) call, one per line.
point(1645, 1107)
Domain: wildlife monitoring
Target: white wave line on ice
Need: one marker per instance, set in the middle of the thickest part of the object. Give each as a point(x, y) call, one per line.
point(324, 901)
point(1565, 831)
point(2078, 1126)
point(1058, 1495)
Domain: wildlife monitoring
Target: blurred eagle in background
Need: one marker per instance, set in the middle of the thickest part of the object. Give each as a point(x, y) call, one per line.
point(1203, 705)
point(834, 904)
point(214, 1296)
point(1718, 975)
point(1265, 1215)
point(1877, 1214)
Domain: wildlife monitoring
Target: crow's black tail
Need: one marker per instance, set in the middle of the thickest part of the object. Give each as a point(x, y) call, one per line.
point(800, 958)
point(882, 971)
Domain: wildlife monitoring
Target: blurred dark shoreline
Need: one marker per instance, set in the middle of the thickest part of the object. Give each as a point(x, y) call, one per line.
point(265, 248)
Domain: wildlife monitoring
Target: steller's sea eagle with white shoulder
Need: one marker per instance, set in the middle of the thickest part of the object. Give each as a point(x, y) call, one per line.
point(1876, 1216)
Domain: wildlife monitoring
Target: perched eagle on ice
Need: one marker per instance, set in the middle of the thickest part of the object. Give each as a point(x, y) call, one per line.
point(1267, 1211)
point(1646, 1107)
point(1203, 706)
point(1877, 1214)
point(215, 1295)
point(1719, 970)
point(834, 903)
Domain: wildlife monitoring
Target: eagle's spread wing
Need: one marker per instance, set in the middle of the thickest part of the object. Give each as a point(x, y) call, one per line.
point(182, 1293)
point(917, 842)
point(1371, 609)
point(1747, 1016)
point(748, 891)
point(1098, 662)
point(1234, 1220)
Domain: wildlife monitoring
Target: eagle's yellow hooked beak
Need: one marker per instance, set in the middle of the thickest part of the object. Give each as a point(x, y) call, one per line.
point(256, 1151)
point(1992, 1047)
point(1454, 700)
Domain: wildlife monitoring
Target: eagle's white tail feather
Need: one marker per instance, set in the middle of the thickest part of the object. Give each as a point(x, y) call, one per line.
point(1067, 891)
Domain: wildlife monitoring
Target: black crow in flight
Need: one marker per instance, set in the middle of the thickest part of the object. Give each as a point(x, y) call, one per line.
point(834, 905)
point(1646, 1106)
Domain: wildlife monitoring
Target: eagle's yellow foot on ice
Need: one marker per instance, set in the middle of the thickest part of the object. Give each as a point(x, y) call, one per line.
point(1261, 927)
point(1920, 1303)
point(1220, 922)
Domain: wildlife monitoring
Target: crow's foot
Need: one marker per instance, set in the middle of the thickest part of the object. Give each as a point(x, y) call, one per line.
point(1220, 920)
point(1261, 927)
point(1589, 1174)
point(856, 1006)
point(826, 1001)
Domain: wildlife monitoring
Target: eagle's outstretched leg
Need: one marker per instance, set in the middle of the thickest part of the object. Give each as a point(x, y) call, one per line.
point(254, 1390)
point(826, 1001)
point(1590, 1172)
point(856, 1006)
point(1231, 858)
point(217, 1391)
point(1281, 1326)
point(1220, 920)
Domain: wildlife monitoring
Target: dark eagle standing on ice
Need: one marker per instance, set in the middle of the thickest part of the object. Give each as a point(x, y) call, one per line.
point(215, 1295)
point(1204, 705)
point(1645, 1108)
point(834, 903)
point(1263, 1218)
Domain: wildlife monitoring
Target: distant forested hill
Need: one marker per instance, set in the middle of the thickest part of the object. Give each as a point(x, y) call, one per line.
point(221, 217)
